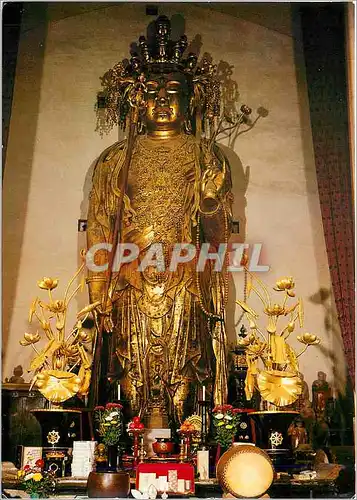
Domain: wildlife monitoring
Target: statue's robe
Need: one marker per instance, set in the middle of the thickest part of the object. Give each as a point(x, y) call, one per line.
point(160, 330)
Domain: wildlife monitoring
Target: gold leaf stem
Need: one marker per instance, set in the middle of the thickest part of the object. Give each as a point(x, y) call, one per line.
point(259, 295)
point(72, 280)
point(264, 288)
point(70, 298)
point(285, 299)
point(35, 349)
point(262, 334)
point(73, 294)
point(292, 319)
point(38, 354)
point(61, 330)
point(43, 320)
point(301, 313)
point(75, 364)
point(71, 333)
point(302, 352)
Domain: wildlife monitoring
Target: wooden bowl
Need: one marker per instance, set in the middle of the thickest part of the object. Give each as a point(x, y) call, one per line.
point(108, 484)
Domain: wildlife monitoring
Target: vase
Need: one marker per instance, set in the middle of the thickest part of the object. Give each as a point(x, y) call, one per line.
point(59, 426)
point(245, 471)
point(34, 495)
point(219, 452)
point(271, 434)
point(112, 454)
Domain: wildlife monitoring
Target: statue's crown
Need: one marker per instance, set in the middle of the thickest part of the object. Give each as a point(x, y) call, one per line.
point(163, 54)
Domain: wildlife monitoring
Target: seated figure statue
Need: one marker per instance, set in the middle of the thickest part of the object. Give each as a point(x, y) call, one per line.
point(162, 325)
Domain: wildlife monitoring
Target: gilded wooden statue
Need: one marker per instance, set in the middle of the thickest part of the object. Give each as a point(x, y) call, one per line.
point(168, 183)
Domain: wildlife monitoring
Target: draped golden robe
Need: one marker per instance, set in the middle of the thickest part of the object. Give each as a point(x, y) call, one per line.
point(161, 335)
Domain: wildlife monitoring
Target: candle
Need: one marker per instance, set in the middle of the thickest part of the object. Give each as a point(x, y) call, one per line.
point(118, 392)
point(204, 394)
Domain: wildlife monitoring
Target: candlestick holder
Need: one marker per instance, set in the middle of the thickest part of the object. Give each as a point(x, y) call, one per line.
point(142, 452)
point(203, 409)
point(136, 433)
point(182, 451)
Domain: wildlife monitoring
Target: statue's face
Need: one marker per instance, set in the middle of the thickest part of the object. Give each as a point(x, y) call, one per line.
point(166, 102)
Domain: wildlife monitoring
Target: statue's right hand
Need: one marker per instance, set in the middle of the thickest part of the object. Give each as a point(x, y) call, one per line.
point(108, 323)
point(104, 320)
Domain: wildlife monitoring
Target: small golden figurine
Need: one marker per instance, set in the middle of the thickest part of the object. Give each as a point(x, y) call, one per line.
point(100, 455)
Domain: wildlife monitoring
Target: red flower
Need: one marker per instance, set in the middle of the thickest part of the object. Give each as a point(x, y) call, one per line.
point(117, 405)
point(26, 468)
point(99, 408)
point(238, 410)
point(131, 425)
point(217, 409)
point(110, 406)
point(141, 425)
point(40, 463)
point(227, 408)
point(136, 420)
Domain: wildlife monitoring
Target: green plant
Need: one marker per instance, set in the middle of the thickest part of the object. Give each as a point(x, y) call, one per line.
point(225, 421)
point(109, 419)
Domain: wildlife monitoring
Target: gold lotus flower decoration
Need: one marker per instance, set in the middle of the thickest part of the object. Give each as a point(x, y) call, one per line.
point(30, 338)
point(57, 306)
point(275, 310)
point(278, 382)
point(48, 283)
point(285, 284)
point(63, 367)
point(308, 339)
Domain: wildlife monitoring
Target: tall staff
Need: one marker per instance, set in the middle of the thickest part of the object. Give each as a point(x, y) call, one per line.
point(137, 102)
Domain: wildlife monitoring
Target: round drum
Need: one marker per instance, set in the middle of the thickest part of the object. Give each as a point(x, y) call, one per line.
point(245, 471)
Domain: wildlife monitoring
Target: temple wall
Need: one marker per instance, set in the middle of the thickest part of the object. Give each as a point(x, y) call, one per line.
point(53, 144)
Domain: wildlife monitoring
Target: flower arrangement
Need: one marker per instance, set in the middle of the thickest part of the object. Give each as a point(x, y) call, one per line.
point(36, 481)
point(110, 422)
point(225, 421)
point(62, 368)
point(187, 428)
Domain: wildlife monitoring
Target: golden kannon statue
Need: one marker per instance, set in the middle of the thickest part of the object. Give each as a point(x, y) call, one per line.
point(167, 184)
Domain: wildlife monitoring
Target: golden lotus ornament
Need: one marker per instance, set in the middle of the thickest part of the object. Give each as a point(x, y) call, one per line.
point(279, 382)
point(281, 388)
point(57, 385)
point(54, 362)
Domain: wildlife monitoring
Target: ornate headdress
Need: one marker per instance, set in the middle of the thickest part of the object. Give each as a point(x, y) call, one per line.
point(121, 83)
